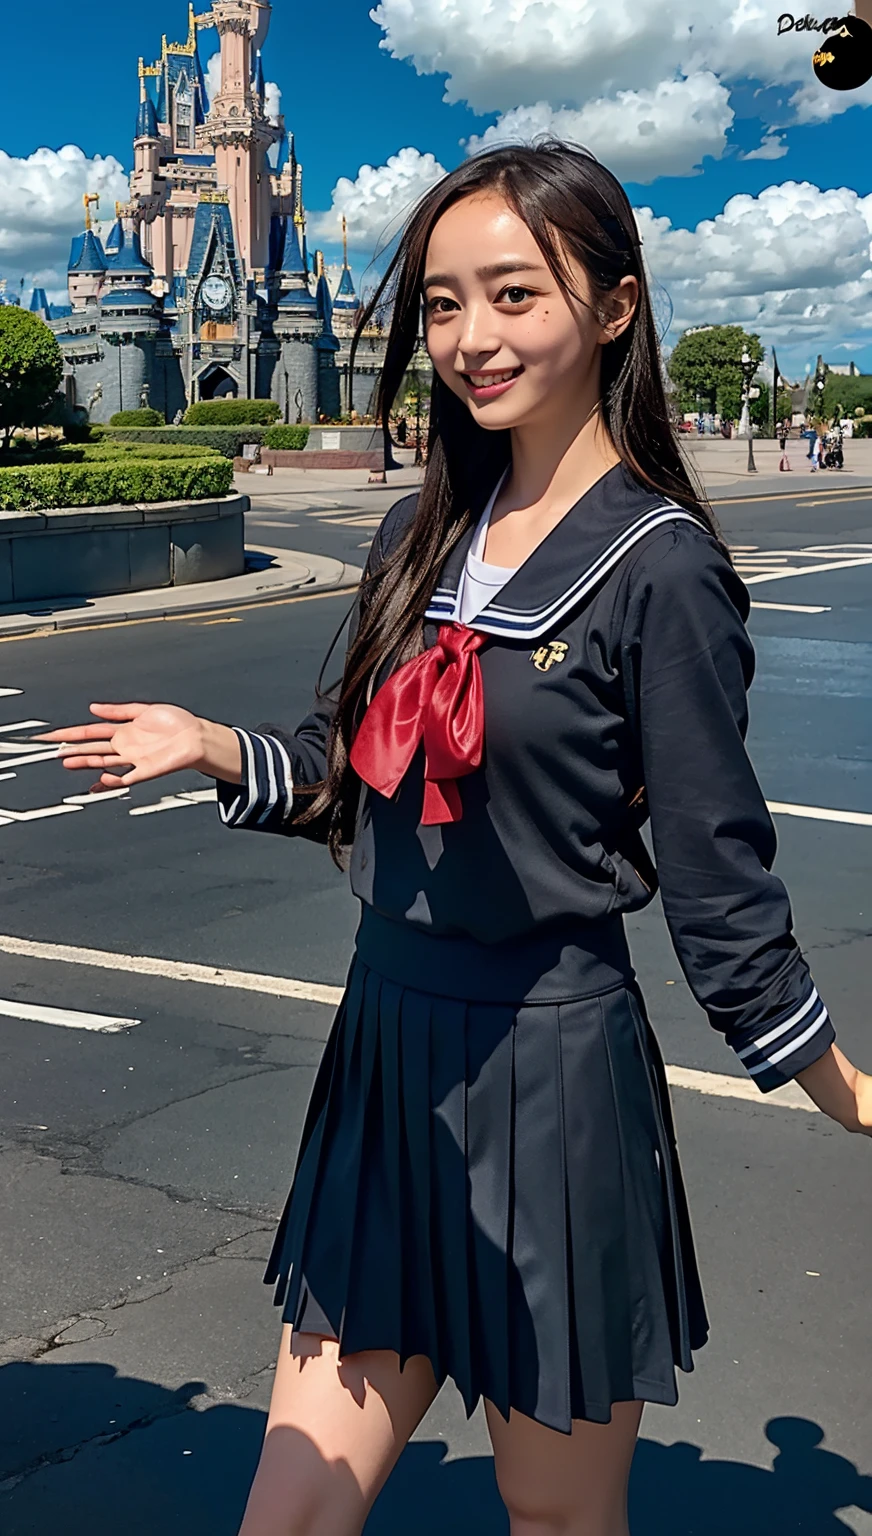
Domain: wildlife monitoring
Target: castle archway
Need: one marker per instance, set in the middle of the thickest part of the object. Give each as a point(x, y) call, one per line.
point(217, 383)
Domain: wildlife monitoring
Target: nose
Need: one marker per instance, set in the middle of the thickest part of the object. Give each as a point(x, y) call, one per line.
point(478, 339)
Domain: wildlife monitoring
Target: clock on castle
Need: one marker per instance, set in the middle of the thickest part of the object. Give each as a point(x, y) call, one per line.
point(204, 287)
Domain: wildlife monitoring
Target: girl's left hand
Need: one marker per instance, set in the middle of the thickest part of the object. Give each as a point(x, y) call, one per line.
point(839, 1089)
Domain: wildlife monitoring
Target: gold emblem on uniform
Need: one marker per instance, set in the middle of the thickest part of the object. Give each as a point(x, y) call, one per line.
point(548, 655)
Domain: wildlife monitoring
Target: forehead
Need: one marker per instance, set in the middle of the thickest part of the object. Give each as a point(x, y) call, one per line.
point(478, 227)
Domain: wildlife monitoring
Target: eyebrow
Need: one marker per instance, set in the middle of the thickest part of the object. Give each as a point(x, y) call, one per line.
point(499, 269)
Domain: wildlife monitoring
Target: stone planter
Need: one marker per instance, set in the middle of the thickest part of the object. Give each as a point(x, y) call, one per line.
point(95, 551)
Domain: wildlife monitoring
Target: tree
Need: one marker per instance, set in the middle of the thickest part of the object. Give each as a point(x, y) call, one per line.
point(705, 367)
point(844, 393)
point(31, 368)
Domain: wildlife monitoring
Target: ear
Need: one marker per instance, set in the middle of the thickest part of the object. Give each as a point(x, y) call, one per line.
point(621, 306)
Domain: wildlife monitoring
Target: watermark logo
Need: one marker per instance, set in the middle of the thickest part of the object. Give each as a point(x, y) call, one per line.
point(842, 59)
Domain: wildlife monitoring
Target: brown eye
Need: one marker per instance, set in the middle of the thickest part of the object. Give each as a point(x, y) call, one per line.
point(515, 295)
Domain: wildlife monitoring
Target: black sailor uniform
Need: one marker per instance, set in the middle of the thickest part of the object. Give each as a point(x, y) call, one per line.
point(488, 1173)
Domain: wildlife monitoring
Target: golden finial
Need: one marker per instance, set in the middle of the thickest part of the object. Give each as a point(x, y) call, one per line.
point(118, 208)
point(88, 199)
point(319, 263)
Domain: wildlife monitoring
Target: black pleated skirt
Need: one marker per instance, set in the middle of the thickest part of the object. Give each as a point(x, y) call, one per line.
point(491, 1180)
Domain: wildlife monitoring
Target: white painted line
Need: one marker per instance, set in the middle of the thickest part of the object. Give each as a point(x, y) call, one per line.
point(41, 814)
point(177, 802)
point(65, 1018)
point(792, 607)
point(173, 970)
point(22, 725)
point(809, 570)
point(93, 796)
point(33, 757)
point(718, 1084)
point(821, 813)
point(11, 693)
point(722, 1086)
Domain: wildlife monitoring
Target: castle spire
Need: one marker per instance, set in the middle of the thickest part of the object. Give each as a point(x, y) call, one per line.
point(258, 81)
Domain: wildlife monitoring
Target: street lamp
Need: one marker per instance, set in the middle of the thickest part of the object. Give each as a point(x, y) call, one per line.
point(749, 368)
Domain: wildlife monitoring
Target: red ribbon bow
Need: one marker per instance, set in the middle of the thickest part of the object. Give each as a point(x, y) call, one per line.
point(436, 697)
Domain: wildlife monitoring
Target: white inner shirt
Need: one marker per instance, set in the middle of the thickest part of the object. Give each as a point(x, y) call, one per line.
point(480, 582)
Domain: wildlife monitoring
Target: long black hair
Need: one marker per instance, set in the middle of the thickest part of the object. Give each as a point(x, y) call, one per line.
point(573, 207)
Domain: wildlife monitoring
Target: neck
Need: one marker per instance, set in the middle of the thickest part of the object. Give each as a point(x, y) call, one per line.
point(556, 458)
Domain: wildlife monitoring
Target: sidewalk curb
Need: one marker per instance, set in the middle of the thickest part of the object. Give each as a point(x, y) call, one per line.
point(335, 576)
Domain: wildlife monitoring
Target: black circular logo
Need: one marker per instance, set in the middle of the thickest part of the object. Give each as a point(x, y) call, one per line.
point(843, 58)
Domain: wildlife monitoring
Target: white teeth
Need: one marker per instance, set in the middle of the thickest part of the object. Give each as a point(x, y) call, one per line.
point(482, 379)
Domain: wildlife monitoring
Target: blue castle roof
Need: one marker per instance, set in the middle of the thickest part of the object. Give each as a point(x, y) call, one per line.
point(128, 257)
point(258, 80)
point(128, 298)
point(115, 239)
point(86, 253)
point(146, 120)
point(325, 302)
point(174, 66)
point(39, 300)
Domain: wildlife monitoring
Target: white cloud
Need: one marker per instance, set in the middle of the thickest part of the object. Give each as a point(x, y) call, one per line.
point(41, 209)
point(639, 134)
point(793, 263)
point(377, 201)
point(602, 59)
point(273, 101)
point(773, 146)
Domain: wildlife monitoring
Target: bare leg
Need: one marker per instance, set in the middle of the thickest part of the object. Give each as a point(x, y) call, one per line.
point(335, 1430)
point(565, 1485)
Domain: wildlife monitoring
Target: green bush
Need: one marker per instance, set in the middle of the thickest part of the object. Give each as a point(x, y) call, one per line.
point(232, 413)
point(92, 453)
point(144, 417)
point(227, 440)
point(38, 487)
point(287, 437)
point(31, 368)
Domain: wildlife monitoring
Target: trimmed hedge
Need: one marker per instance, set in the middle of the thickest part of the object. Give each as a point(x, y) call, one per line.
point(227, 440)
point(144, 417)
point(232, 413)
point(38, 487)
point(95, 453)
point(287, 438)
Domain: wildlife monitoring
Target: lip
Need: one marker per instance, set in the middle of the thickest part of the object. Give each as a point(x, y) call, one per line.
point(490, 391)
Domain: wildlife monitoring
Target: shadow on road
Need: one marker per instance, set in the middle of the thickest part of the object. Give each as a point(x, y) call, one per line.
point(147, 1463)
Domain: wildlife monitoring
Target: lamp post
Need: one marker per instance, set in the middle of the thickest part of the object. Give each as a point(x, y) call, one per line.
point(749, 368)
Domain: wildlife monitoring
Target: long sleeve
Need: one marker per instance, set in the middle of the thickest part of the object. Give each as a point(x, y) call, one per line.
point(729, 917)
point(276, 761)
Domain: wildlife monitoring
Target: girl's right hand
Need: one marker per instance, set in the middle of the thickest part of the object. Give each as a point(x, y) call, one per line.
point(148, 741)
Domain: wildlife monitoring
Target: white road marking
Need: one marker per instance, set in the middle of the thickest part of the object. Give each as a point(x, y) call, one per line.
point(719, 1084)
point(65, 1018)
point(722, 1086)
point(11, 693)
point(172, 970)
point(42, 813)
point(22, 725)
point(93, 796)
point(177, 802)
point(792, 607)
point(33, 757)
point(820, 813)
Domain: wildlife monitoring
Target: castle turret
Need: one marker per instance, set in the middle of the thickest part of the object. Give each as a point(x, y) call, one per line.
point(87, 269)
point(129, 321)
point(258, 83)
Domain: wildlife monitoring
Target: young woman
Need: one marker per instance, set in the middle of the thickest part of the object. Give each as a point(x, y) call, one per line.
point(548, 645)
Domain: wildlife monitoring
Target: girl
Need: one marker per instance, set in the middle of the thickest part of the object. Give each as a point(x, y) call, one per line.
point(548, 645)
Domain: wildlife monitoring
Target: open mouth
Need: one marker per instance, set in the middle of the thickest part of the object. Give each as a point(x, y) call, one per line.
point(486, 386)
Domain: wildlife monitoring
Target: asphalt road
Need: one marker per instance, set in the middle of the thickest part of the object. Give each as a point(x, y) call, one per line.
point(141, 1170)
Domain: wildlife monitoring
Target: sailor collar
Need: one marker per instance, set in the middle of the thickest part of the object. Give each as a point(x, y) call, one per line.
point(608, 521)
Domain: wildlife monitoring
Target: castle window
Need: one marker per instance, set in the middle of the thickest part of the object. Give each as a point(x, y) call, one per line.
point(183, 111)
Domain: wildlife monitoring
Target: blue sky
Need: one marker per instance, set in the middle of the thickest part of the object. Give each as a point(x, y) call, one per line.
point(352, 104)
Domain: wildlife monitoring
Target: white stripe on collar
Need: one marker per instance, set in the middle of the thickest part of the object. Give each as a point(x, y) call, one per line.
point(497, 620)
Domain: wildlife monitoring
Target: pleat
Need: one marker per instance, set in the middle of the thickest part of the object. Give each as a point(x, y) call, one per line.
point(489, 1076)
point(539, 1298)
point(281, 1271)
point(420, 1330)
point(355, 1174)
point(649, 1275)
point(448, 1161)
point(325, 1248)
point(595, 1199)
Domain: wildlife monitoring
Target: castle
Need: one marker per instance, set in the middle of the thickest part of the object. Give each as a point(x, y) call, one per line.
point(204, 287)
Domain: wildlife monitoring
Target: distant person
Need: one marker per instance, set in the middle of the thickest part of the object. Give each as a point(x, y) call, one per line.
point(784, 462)
point(402, 431)
point(487, 1186)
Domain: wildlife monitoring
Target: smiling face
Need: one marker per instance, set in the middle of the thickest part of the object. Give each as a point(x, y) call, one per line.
point(501, 333)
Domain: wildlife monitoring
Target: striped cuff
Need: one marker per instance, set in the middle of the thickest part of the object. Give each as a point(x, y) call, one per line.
point(788, 1044)
point(265, 797)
